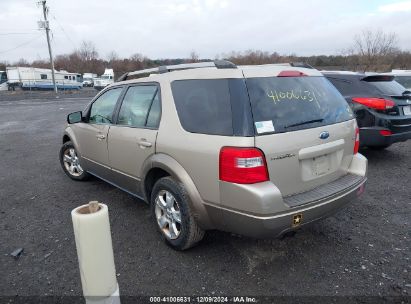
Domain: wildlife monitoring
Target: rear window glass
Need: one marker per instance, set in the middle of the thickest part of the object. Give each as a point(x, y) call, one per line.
point(204, 106)
point(282, 104)
point(404, 80)
point(388, 87)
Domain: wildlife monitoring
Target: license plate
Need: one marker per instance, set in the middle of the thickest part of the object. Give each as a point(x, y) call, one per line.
point(321, 165)
point(407, 110)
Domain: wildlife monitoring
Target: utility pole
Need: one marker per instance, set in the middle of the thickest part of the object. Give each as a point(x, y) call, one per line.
point(47, 28)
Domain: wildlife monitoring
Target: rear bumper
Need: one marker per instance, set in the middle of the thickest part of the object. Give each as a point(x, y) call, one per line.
point(372, 137)
point(260, 211)
point(276, 225)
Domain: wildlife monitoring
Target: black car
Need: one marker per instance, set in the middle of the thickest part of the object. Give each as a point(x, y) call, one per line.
point(382, 107)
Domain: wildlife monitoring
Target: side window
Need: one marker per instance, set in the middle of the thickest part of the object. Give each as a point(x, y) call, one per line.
point(136, 105)
point(204, 106)
point(153, 119)
point(43, 76)
point(344, 86)
point(102, 109)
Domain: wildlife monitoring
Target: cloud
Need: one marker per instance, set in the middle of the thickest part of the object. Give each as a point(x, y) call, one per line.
point(404, 6)
point(173, 28)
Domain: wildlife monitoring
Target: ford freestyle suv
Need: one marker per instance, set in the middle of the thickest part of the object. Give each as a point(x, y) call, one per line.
point(381, 105)
point(254, 150)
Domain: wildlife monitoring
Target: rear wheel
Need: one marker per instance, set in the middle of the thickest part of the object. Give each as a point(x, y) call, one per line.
point(173, 216)
point(70, 162)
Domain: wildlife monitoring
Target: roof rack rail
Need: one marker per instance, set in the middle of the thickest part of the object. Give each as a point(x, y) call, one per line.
point(301, 65)
point(219, 64)
point(288, 64)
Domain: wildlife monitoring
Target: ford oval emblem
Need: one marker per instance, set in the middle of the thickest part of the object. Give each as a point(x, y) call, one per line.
point(324, 135)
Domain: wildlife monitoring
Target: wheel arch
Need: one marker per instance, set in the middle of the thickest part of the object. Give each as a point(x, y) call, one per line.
point(161, 165)
point(69, 136)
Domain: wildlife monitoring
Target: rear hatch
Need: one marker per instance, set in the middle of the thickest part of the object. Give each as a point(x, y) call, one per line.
point(392, 90)
point(305, 129)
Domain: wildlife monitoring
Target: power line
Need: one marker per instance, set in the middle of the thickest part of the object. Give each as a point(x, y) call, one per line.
point(62, 29)
point(7, 34)
point(21, 45)
point(45, 24)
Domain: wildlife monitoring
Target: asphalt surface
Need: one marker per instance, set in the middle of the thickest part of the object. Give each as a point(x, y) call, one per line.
point(364, 250)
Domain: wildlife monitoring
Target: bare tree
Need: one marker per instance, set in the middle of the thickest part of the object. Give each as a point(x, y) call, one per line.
point(112, 57)
point(22, 63)
point(88, 51)
point(372, 46)
point(194, 57)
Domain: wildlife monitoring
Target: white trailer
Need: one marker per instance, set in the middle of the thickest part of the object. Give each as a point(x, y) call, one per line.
point(106, 79)
point(3, 81)
point(34, 78)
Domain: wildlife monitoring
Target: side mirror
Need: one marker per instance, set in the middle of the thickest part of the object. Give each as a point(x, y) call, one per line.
point(75, 117)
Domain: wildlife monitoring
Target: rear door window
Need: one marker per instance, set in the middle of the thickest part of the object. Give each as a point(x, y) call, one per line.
point(153, 119)
point(282, 104)
point(134, 111)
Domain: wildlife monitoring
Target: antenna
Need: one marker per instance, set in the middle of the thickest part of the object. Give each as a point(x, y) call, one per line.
point(46, 25)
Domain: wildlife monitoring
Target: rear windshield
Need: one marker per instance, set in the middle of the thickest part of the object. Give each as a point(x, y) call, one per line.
point(388, 87)
point(282, 104)
point(404, 80)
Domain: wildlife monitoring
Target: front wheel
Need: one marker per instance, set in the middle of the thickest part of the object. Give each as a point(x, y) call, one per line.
point(70, 162)
point(173, 216)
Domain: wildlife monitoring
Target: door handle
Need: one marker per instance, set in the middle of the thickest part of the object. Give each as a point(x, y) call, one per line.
point(144, 144)
point(100, 136)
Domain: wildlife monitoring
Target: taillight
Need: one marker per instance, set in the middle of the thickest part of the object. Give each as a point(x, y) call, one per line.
point(242, 165)
point(357, 140)
point(375, 103)
point(291, 74)
point(385, 132)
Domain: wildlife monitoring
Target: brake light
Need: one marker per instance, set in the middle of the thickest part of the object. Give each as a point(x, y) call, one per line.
point(357, 140)
point(291, 74)
point(242, 165)
point(375, 103)
point(385, 132)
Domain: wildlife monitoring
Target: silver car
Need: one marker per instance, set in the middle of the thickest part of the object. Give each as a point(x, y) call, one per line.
point(254, 150)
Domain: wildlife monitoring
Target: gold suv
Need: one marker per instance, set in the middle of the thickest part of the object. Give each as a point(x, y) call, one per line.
point(254, 150)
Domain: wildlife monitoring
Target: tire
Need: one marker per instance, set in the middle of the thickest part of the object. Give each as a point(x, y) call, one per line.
point(377, 148)
point(180, 235)
point(72, 169)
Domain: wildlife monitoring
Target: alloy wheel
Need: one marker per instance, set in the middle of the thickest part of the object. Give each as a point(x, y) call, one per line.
point(168, 214)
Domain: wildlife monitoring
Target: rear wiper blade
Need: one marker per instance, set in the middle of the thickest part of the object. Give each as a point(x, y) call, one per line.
point(304, 122)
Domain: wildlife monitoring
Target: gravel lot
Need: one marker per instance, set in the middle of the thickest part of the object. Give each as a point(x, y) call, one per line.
point(364, 250)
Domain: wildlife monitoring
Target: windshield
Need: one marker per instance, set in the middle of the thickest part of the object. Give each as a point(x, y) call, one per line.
point(105, 77)
point(282, 104)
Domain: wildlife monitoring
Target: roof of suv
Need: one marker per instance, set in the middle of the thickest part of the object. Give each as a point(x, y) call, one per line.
point(357, 75)
point(217, 69)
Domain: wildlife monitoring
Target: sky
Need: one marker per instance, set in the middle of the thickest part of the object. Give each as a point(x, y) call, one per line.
point(175, 28)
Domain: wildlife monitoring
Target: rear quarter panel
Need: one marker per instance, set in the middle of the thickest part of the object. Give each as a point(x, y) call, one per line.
point(198, 154)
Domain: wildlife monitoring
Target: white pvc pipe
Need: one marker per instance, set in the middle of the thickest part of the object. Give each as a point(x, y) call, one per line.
point(95, 254)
